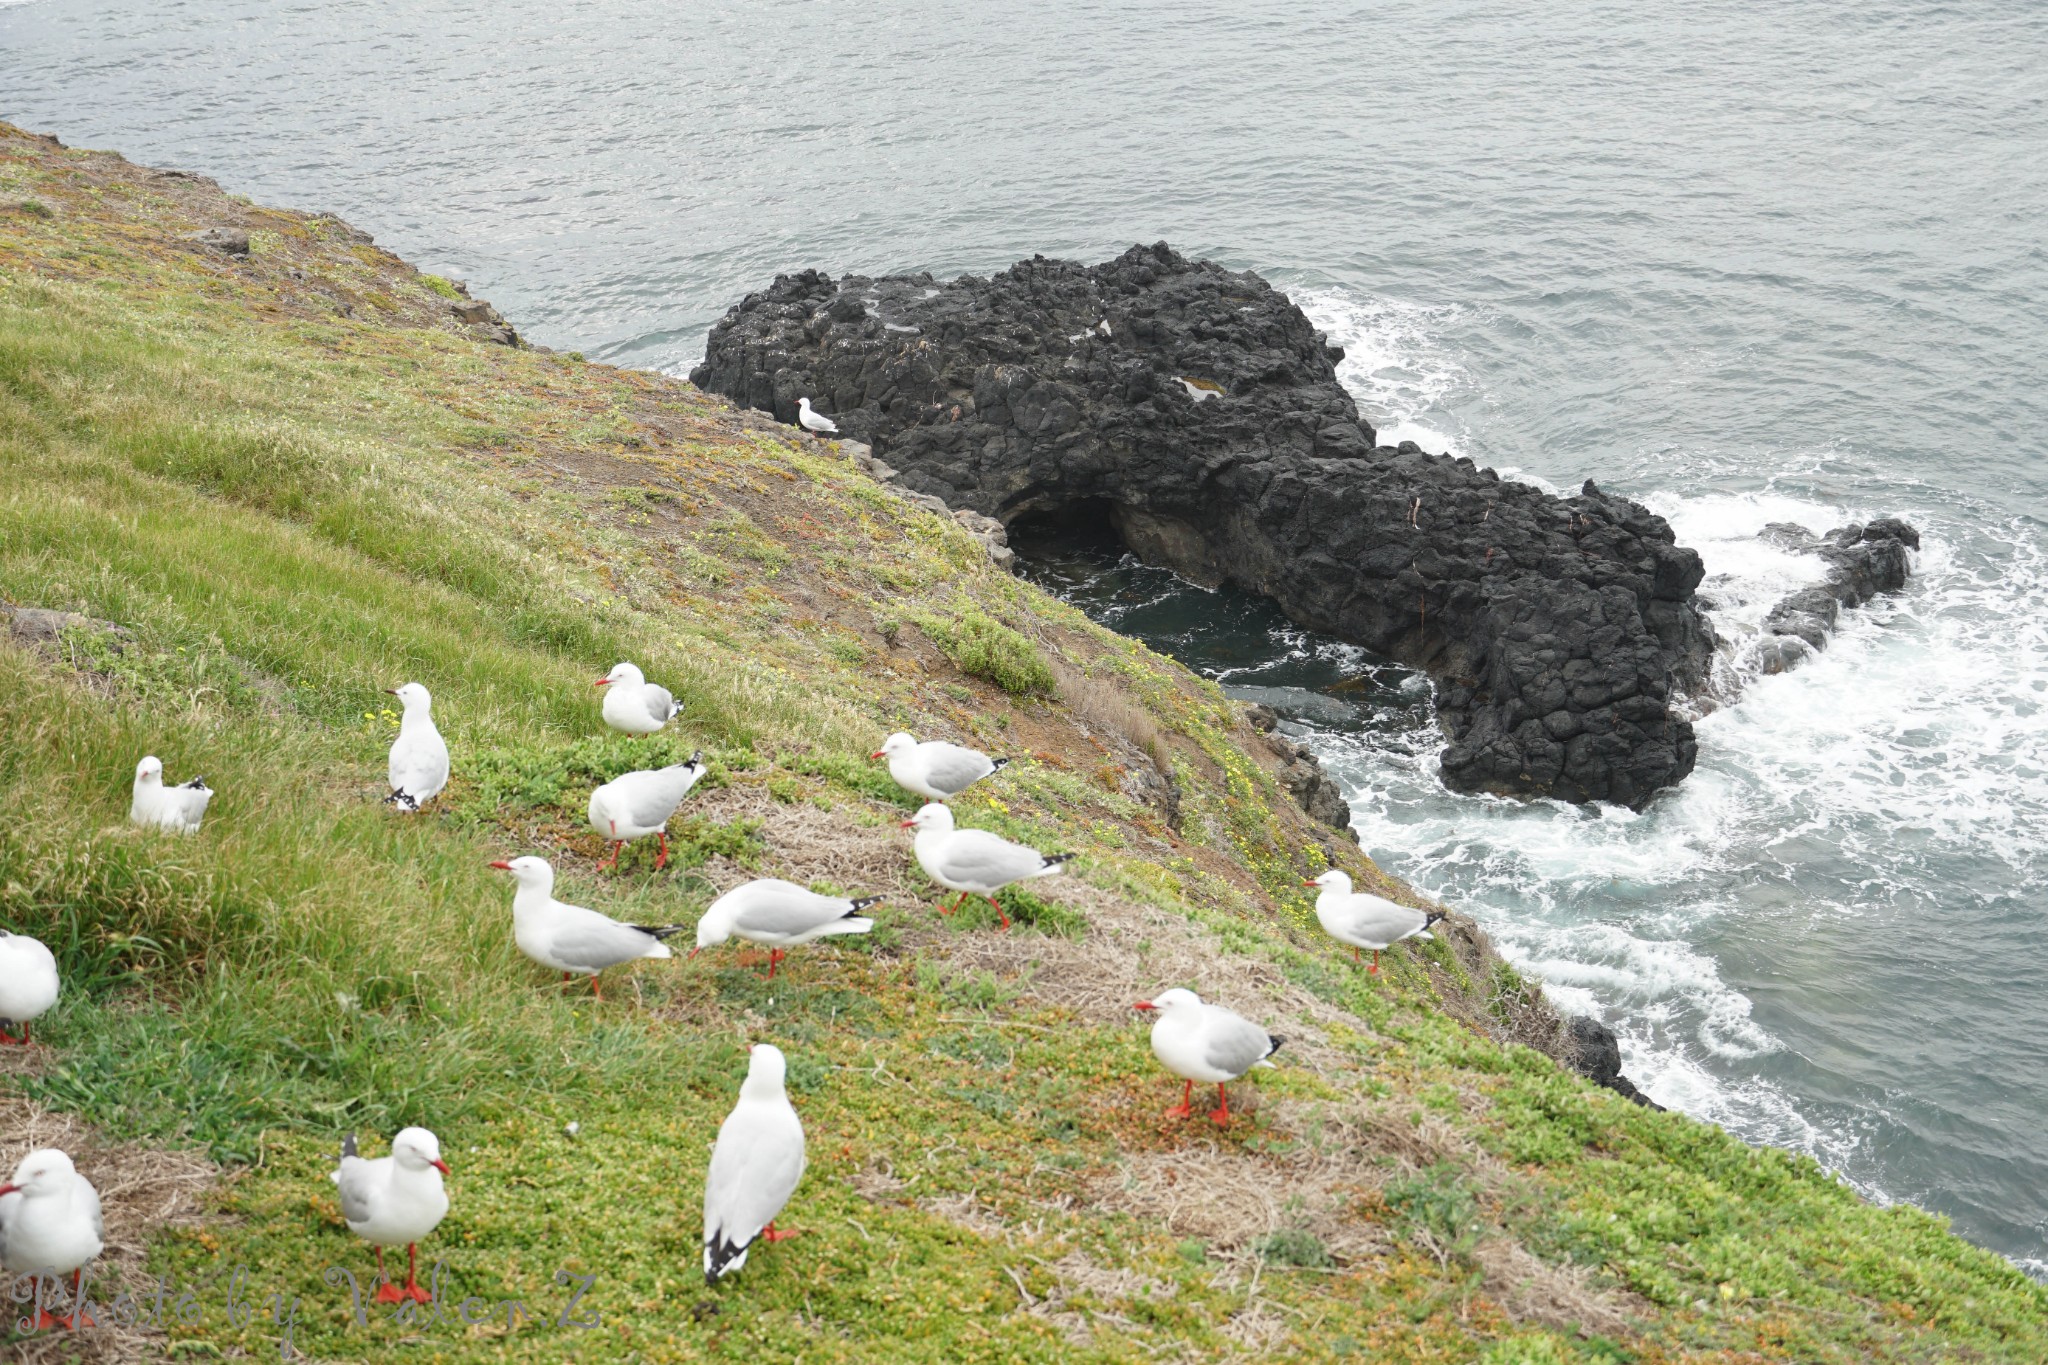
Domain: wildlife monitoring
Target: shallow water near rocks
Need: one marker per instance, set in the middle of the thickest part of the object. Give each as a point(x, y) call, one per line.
point(1765, 262)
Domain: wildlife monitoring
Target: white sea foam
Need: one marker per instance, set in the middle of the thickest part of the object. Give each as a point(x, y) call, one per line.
point(1394, 363)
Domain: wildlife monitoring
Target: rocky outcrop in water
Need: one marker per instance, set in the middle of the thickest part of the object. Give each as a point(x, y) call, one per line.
point(1199, 411)
point(1592, 1050)
point(1302, 774)
point(1862, 561)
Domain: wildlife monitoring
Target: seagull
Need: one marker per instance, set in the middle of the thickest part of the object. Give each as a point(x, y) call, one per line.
point(634, 704)
point(155, 806)
point(1365, 921)
point(394, 1201)
point(973, 861)
point(780, 914)
point(817, 423)
point(419, 756)
point(1205, 1043)
point(635, 805)
point(28, 983)
point(935, 770)
point(569, 938)
point(50, 1224)
point(755, 1167)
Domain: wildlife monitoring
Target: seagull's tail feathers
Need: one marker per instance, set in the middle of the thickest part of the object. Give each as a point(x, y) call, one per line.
point(403, 800)
point(722, 1257)
point(658, 932)
point(1434, 917)
point(852, 924)
point(1053, 863)
point(197, 784)
point(863, 903)
point(996, 765)
point(348, 1149)
point(1273, 1042)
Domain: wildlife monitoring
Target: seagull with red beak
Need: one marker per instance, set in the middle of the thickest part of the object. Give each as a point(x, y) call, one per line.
point(635, 705)
point(974, 862)
point(635, 805)
point(755, 1166)
point(570, 939)
point(394, 1201)
point(1205, 1043)
point(780, 914)
point(50, 1224)
point(1366, 921)
point(935, 770)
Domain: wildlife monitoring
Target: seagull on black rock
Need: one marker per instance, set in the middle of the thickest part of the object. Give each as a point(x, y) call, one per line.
point(817, 423)
point(570, 939)
point(155, 806)
point(935, 770)
point(635, 805)
point(28, 983)
point(974, 862)
point(50, 1223)
point(419, 756)
point(780, 914)
point(634, 704)
point(755, 1167)
point(1366, 921)
point(394, 1201)
point(1205, 1043)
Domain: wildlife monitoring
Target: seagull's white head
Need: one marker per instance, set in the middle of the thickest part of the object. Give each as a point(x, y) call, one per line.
point(43, 1171)
point(804, 403)
point(766, 1070)
point(625, 674)
point(416, 1149)
point(1170, 1002)
point(1333, 880)
point(412, 696)
point(530, 872)
point(714, 928)
point(149, 772)
point(934, 817)
point(895, 744)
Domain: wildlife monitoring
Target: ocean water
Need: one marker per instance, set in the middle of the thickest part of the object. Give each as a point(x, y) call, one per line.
point(1747, 262)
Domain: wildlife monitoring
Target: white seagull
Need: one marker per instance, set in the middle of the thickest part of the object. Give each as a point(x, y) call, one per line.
point(1205, 1043)
point(755, 1167)
point(155, 806)
point(572, 940)
point(50, 1223)
point(394, 1201)
point(419, 756)
point(935, 770)
point(28, 983)
point(817, 423)
point(780, 914)
point(635, 805)
point(974, 862)
point(635, 705)
point(1365, 921)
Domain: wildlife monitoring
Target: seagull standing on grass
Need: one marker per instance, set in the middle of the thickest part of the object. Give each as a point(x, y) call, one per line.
point(419, 756)
point(781, 915)
point(935, 770)
point(1205, 1043)
point(155, 806)
point(755, 1167)
point(635, 705)
point(570, 939)
point(817, 423)
point(50, 1224)
point(1365, 921)
point(636, 805)
point(394, 1201)
point(974, 862)
point(28, 983)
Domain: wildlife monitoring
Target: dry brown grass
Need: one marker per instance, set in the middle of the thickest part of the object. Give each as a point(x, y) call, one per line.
point(1108, 710)
point(142, 1190)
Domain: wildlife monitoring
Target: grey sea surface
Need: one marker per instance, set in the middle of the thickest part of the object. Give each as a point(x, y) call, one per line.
point(1746, 261)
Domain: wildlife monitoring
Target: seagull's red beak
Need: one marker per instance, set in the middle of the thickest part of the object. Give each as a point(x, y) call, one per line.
point(1308, 881)
point(906, 824)
point(442, 1167)
point(602, 682)
point(502, 865)
point(693, 952)
point(8, 1189)
point(390, 691)
point(1145, 1005)
point(876, 754)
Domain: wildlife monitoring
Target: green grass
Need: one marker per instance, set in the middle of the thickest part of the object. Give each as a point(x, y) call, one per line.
point(289, 512)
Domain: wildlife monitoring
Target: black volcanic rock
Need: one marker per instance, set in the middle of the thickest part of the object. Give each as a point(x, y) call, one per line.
point(1862, 561)
point(1199, 412)
point(1592, 1050)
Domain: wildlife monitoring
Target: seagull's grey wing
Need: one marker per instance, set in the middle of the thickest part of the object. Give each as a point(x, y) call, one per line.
point(354, 1179)
point(1383, 921)
point(787, 908)
point(1235, 1044)
point(588, 941)
point(755, 1167)
point(660, 704)
point(654, 799)
point(975, 856)
point(952, 769)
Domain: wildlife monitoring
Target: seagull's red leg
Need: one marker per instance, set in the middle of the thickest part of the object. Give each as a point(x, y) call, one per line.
point(412, 1275)
point(1187, 1095)
point(1375, 962)
point(1221, 1113)
point(775, 955)
point(1354, 954)
point(596, 989)
point(770, 1234)
point(387, 1292)
point(78, 1317)
point(661, 858)
point(999, 911)
point(6, 1037)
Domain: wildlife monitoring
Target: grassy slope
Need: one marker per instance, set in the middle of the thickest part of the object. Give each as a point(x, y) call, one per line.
point(296, 484)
